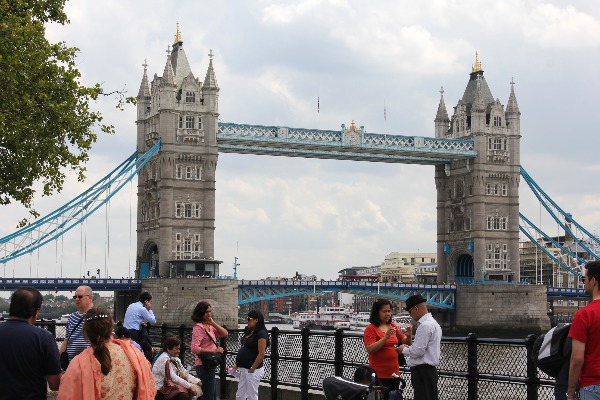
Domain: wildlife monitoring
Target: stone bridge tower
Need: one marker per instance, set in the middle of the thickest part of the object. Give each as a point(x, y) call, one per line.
point(478, 199)
point(176, 189)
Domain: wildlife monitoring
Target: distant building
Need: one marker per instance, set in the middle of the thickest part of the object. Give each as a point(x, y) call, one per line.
point(369, 274)
point(400, 267)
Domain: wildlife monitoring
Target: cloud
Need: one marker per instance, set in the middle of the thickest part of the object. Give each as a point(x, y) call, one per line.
point(554, 27)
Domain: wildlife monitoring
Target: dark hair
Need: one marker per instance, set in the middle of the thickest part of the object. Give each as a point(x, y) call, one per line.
point(200, 310)
point(260, 325)
point(98, 327)
point(363, 374)
point(122, 332)
point(171, 342)
point(24, 302)
point(260, 321)
point(593, 270)
point(378, 305)
point(145, 296)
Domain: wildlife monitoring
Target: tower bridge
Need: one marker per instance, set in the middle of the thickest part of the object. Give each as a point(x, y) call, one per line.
point(476, 154)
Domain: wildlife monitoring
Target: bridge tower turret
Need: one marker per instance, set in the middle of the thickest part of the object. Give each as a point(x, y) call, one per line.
point(478, 199)
point(442, 122)
point(176, 190)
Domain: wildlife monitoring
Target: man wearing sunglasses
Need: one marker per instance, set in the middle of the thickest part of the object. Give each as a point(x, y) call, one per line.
point(75, 342)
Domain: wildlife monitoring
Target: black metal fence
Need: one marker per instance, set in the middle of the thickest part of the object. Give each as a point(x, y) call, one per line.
point(470, 368)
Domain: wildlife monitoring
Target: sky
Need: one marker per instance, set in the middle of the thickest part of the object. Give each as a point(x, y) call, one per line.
point(273, 60)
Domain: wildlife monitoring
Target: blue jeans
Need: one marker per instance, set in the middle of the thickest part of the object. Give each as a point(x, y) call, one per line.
point(209, 382)
point(591, 392)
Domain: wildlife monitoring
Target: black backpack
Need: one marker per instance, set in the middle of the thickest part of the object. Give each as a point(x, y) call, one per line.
point(549, 352)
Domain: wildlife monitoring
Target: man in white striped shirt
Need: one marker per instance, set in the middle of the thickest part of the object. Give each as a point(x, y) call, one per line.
point(75, 342)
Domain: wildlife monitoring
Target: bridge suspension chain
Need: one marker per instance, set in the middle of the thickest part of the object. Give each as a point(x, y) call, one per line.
point(556, 212)
point(76, 211)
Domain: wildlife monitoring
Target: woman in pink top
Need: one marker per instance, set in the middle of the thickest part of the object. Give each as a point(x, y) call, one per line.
point(204, 339)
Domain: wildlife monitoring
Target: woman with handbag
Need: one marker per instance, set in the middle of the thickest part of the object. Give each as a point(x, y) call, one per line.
point(108, 369)
point(251, 355)
point(381, 338)
point(204, 346)
point(172, 380)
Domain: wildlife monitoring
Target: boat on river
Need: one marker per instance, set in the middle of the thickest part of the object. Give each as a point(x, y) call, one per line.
point(359, 321)
point(327, 318)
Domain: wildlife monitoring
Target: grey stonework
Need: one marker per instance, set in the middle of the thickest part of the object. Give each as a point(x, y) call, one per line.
point(173, 300)
point(478, 199)
point(176, 190)
point(502, 307)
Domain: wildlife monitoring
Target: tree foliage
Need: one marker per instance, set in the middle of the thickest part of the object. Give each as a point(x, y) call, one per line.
point(46, 123)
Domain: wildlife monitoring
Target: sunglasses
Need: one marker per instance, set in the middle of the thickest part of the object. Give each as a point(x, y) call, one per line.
point(250, 318)
point(80, 296)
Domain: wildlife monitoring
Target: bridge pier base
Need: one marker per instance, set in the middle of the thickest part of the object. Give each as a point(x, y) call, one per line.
point(489, 307)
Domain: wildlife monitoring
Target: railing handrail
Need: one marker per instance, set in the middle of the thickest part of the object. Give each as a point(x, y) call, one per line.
point(339, 364)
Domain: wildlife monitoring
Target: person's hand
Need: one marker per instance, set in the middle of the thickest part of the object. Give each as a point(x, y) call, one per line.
point(409, 329)
point(219, 350)
point(251, 370)
point(390, 332)
point(194, 391)
point(400, 348)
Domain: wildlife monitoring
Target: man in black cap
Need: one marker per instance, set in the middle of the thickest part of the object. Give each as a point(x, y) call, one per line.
point(424, 352)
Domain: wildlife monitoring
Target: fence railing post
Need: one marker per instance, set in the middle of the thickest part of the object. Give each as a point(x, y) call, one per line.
point(274, 357)
point(304, 363)
point(338, 361)
point(163, 331)
point(223, 368)
point(52, 329)
point(532, 377)
point(472, 371)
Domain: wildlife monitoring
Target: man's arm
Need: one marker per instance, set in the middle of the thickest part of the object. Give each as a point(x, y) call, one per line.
point(54, 381)
point(577, 354)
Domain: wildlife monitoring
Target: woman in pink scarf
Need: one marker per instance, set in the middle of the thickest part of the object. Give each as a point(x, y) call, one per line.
point(108, 369)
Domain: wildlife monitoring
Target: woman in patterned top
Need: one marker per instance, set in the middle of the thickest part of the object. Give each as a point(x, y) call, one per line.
point(109, 368)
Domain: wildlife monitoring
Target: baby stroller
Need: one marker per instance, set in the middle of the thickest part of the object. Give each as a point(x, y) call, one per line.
point(337, 388)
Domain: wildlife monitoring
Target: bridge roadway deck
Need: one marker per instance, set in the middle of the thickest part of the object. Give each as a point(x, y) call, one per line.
point(440, 296)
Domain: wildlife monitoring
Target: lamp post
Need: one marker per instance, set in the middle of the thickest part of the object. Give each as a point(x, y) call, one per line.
point(235, 265)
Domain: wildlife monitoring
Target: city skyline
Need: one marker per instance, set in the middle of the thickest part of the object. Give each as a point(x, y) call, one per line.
point(309, 64)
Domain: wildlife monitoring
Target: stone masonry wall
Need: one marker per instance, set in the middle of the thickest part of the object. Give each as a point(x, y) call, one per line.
point(174, 300)
point(502, 306)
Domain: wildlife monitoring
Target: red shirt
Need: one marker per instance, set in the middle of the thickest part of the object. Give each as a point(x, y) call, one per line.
point(385, 361)
point(586, 329)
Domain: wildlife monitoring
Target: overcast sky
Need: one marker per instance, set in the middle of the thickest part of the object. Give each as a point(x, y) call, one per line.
point(273, 59)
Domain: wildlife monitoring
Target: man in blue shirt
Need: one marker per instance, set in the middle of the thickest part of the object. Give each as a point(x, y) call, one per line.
point(75, 342)
point(137, 314)
point(30, 362)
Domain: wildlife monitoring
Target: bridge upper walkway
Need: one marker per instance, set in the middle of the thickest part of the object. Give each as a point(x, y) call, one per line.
point(341, 145)
point(439, 296)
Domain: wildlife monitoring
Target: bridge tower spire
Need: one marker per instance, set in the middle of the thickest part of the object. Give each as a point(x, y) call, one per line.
point(442, 121)
point(176, 190)
point(478, 199)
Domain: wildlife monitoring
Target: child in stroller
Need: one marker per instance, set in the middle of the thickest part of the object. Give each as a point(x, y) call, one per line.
point(365, 387)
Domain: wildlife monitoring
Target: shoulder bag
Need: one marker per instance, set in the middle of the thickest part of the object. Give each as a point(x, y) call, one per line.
point(401, 358)
point(210, 360)
point(170, 389)
point(64, 356)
